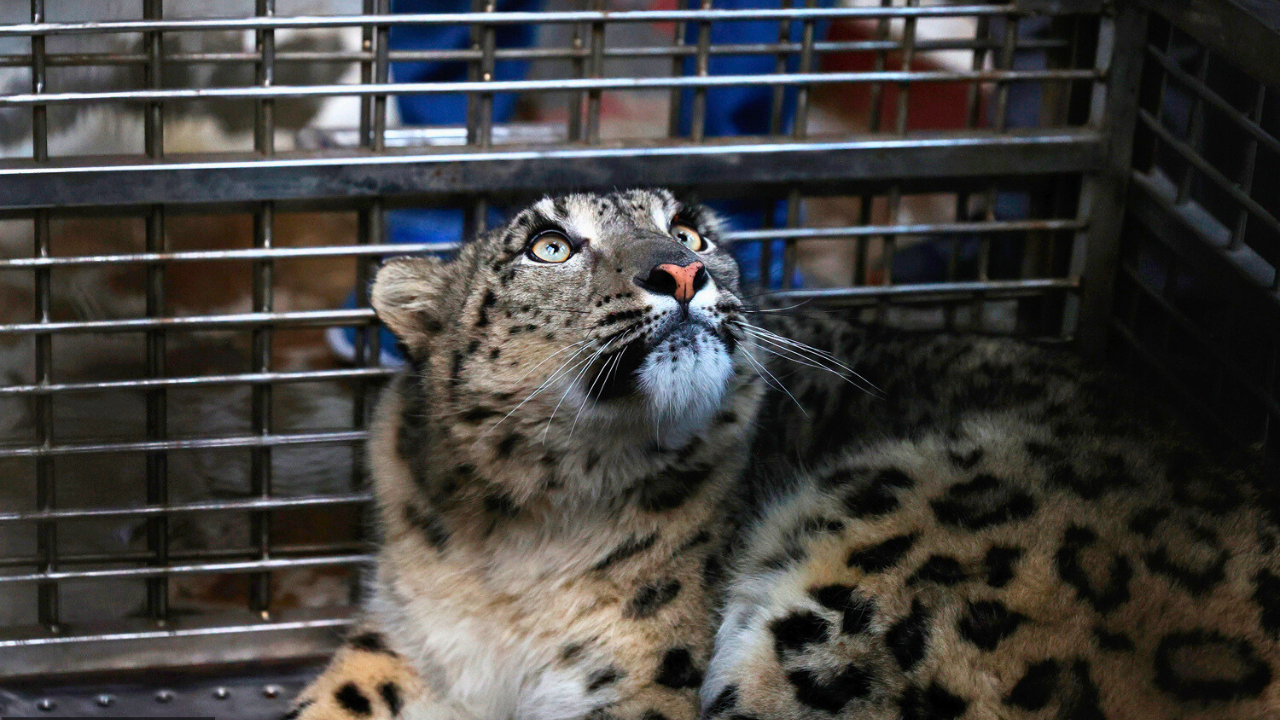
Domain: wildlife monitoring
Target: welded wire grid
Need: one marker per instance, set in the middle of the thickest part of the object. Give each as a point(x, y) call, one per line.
point(1197, 294)
point(872, 187)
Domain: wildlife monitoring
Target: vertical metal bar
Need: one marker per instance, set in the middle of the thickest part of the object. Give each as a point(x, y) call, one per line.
point(480, 110)
point(1113, 110)
point(157, 462)
point(1195, 133)
point(973, 113)
point(597, 71)
point(999, 123)
point(889, 242)
point(46, 493)
point(876, 99)
point(677, 69)
point(799, 131)
point(579, 69)
point(776, 106)
point(1250, 165)
point(697, 129)
point(263, 286)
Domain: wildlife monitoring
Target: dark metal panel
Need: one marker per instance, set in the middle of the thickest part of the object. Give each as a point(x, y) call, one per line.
point(1246, 32)
point(28, 185)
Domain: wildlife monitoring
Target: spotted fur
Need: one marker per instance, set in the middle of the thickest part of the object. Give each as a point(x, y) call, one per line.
point(569, 512)
point(1007, 534)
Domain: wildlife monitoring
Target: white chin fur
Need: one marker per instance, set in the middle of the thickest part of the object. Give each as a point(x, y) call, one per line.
point(684, 379)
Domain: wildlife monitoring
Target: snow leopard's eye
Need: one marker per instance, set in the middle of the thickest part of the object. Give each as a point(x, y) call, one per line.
point(689, 237)
point(550, 247)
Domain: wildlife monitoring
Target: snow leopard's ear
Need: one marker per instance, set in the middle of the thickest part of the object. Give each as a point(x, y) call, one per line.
point(408, 297)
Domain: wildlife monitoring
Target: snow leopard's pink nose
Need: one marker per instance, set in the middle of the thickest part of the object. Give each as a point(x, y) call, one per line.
point(680, 282)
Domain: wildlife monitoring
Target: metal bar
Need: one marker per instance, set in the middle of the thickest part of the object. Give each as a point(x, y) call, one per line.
point(577, 53)
point(1247, 172)
point(356, 174)
point(578, 66)
point(596, 71)
point(46, 489)
point(1183, 233)
point(189, 507)
point(233, 441)
point(275, 378)
point(800, 131)
point(1206, 93)
point(259, 567)
point(780, 67)
point(503, 18)
point(932, 292)
point(1114, 109)
point(702, 69)
point(519, 86)
point(180, 556)
point(861, 270)
point(358, 251)
point(1195, 133)
point(157, 403)
point(263, 299)
point(1225, 184)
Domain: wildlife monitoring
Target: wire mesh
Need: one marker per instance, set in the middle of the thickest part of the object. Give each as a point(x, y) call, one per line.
point(200, 204)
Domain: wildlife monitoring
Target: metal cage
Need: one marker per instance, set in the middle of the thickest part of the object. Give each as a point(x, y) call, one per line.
point(178, 229)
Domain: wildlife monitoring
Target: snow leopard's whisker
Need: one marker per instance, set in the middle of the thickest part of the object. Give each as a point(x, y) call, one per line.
point(577, 378)
point(545, 383)
point(776, 382)
point(610, 365)
point(816, 355)
point(795, 352)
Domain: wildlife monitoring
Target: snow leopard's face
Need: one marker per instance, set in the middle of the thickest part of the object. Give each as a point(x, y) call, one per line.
point(620, 305)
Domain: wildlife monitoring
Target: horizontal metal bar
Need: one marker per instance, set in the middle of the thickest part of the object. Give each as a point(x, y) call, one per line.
point(184, 641)
point(416, 248)
point(356, 316)
point(971, 228)
point(1246, 32)
point(183, 627)
point(279, 253)
point(142, 556)
point(233, 441)
point(1177, 229)
point(499, 18)
point(1214, 175)
point(277, 92)
point(235, 505)
point(922, 292)
point(1215, 100)
point(245, 566)
point(551, 53)
point(274, 378)
point(728, 162)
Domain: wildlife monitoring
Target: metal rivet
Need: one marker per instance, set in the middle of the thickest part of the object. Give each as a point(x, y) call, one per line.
point(105, 700)
point(222, 693)
point(46, 705)
point(164, 696)
point(271, 690)
point(488, 77)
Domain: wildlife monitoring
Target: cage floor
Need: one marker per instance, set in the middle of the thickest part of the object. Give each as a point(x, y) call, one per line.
point(260, 692)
